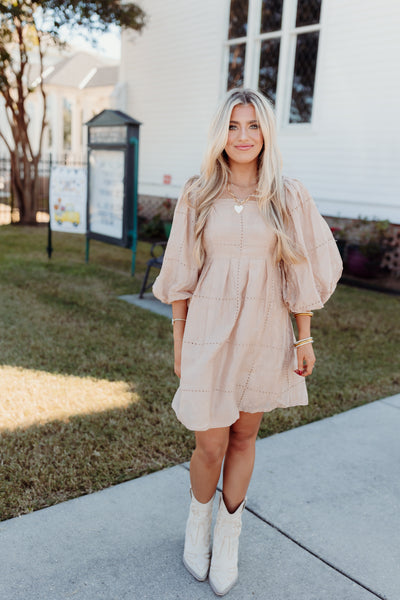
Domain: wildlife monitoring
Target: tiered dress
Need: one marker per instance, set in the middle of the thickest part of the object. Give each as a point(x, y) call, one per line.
point(237, 352)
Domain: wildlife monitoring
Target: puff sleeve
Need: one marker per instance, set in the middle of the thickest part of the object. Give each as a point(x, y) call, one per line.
point(179, 272)
point(309, 284)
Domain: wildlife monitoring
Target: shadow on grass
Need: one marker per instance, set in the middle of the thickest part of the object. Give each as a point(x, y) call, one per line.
point(46, 464)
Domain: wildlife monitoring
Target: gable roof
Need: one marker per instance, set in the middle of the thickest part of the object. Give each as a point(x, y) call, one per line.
point(82, 70)
point(104, 76)
point(109, 117)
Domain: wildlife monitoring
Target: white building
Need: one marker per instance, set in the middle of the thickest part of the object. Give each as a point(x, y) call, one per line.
point(78, 86)
point(338, 123)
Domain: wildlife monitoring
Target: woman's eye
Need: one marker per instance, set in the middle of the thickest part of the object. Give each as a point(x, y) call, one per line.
point(232, 126)
point(254, 125)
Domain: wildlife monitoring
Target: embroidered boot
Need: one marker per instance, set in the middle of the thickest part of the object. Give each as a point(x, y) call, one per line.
point(197, 551)
point(224, 561)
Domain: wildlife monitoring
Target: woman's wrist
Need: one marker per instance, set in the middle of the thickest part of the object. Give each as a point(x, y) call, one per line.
point(303, 333)
point(178, 329)
point(303, 323)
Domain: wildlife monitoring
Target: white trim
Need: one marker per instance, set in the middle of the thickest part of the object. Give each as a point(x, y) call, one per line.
point(316, 109)
point(235, 41)
point(225, 53)
point(353, 202)
point(284, 74)
point(87, 78)
point(253, 24)
point(306, 28)
point(355, 209)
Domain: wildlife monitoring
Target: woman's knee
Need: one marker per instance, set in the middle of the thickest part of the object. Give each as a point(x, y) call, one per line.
point(211, 450)
point(243, 433)
point(242, 440)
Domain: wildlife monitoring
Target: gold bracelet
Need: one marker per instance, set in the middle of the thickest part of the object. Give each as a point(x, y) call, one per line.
point(309, 314)
point(303, 341)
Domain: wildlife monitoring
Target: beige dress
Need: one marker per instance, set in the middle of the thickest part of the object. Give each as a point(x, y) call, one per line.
point(237, 352)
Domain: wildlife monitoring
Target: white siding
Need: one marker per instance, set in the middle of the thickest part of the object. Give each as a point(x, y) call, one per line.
point(173, 70)
point(348, 157)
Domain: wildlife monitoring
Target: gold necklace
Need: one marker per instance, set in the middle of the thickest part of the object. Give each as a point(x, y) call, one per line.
point(244, 186)
point(238, 206)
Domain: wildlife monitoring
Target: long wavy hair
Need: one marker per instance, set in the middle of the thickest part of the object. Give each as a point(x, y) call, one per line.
point(215, 172)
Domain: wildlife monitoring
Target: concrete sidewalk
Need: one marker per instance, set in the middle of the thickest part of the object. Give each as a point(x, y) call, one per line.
point(322, 523)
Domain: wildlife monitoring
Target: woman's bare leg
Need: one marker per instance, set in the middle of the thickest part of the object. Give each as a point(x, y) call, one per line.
point(239, 458)
point(206, 461)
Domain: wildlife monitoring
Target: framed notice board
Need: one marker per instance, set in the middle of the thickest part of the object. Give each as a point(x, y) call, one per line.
point(113, 147)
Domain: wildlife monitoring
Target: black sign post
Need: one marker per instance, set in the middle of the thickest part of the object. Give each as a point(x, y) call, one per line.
point(113, 150)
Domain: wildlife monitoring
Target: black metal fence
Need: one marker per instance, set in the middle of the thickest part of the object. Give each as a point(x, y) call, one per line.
point(9, 213)
point(153, 211)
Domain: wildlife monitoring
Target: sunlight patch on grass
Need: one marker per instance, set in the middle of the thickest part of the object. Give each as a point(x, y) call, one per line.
point(29, 397)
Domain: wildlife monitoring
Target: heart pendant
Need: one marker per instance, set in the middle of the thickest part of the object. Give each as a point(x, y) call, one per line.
point(238, 208)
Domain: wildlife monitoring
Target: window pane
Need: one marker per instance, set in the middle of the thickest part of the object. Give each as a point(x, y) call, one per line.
point(269, 61)
point(304, 77)
point(237, 54)
point(271, 15)
point(308, 12)
point(238, 18)
point(67, 124)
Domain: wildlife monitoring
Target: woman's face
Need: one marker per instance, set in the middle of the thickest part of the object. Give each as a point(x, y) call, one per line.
point(245, 140)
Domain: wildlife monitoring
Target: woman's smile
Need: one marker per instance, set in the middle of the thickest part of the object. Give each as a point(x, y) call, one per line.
point(245, 139)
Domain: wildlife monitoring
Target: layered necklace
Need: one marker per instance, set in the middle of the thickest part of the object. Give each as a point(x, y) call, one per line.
point(238, 206)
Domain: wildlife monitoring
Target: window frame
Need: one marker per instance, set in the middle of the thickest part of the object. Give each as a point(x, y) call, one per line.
point(287, 54)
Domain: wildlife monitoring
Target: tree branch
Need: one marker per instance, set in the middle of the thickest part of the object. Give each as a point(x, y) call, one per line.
point(43, 93)
point(5, 141)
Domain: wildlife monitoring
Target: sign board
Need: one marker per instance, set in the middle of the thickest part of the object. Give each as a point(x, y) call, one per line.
point(113, 150)
point(107, 135)
point(67, 199)
point(106, 184)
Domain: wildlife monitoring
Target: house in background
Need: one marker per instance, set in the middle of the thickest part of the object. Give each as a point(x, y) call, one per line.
point(329, 66)
point(78, 86)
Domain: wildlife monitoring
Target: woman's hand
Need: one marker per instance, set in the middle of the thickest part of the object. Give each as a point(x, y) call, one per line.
point(305, 360)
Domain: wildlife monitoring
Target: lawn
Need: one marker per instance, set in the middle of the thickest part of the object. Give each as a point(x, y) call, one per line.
point(86, 380)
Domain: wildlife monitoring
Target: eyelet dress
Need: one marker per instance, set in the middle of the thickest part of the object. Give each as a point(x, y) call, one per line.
point(237, 350)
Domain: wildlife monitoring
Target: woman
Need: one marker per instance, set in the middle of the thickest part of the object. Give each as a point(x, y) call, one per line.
point(247, 247)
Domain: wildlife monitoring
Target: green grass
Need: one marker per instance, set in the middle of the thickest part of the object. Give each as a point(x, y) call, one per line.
point(62, 325)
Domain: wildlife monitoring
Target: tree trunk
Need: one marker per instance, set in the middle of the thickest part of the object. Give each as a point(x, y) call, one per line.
point(25, 190)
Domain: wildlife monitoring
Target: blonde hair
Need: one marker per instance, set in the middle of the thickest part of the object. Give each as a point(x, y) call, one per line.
point(215, 172)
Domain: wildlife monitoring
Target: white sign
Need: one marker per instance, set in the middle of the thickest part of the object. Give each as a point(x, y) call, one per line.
point(107, 135)
point(106, 209)
point(67, 201)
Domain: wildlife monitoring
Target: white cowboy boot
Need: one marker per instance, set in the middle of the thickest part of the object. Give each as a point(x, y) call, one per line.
point(197, 551)
point(224, 561)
